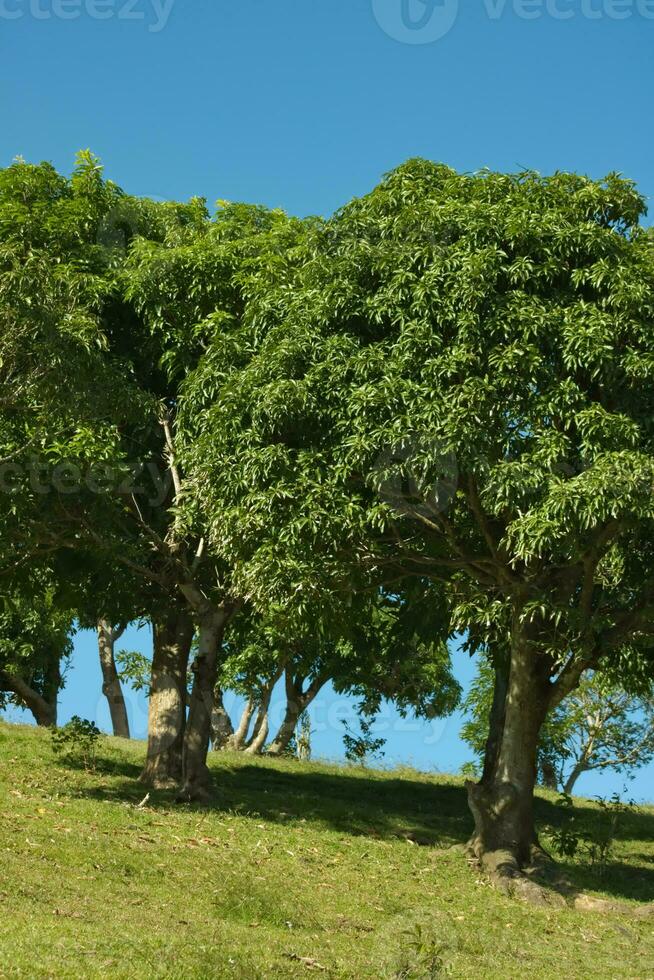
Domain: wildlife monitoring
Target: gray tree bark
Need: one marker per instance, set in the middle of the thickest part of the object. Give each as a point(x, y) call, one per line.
point(222, 729)
point(238, 739)
point(111, 686)
point(287, 728)
point(256, 745)
point(549, 776)
point(196, 776)
point(579, 769)
point(502, 802)
point(297, 701)
point(261, 727)
point(172, 635)
point(497, 715)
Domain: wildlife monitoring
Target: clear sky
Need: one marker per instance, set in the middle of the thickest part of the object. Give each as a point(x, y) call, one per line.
point(303, 104)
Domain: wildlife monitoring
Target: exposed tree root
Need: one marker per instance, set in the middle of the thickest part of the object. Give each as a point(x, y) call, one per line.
point(189, 794)
point(542, 884)
point(588, 903)
point(528, 884)
point(196, 789)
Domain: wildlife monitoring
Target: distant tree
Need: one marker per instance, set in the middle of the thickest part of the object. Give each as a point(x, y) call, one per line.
point(303, 737)
point(362, 746)
point(108, 635)
point(599, 726)
point(108, 599)
point(379, 646)
point(222, 729)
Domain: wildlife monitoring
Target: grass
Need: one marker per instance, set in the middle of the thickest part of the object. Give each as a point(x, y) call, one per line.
point(296, 869)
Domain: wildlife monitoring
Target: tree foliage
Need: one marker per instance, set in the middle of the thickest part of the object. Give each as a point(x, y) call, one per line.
point(36, 641)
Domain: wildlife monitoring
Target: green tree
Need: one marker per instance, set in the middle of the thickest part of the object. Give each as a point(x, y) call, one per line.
point(52, 408)
point(35, 642)
point(454, 383)
point(108, 597)
point(81, 426)
point(362, 746)
point(377, 647)
point(146, 285)
point(607, 728)
point(189, 291)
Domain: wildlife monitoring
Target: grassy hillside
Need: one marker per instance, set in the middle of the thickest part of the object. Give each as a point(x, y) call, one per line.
point(297, 869)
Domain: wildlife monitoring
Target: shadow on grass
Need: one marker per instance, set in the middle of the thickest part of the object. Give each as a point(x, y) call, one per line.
point(103, 766)
point(352, 803)
point(356, 804)
point(617, 879)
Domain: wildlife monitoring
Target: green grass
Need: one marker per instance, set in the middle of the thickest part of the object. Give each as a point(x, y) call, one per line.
point(333, 865)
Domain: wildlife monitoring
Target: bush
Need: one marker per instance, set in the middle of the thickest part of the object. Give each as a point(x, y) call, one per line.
point(77, 741)
point(358, 748)
point(595, 840)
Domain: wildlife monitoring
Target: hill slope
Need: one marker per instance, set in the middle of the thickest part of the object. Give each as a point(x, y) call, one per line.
point(298, 869)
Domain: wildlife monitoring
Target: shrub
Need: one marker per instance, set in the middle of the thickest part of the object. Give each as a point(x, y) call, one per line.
point(358, 748)
point(77, 741)
point(594, 840)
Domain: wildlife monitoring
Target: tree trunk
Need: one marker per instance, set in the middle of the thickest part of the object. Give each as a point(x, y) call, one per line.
point(297, 701)
point(172, 635)
point(51, 687)
point(111, 686)
point(238, 739)
point(303, 741)
point(196, 776)
point(222, 729)
point(44, 712)
point(502, 803)
point(497, 714)
point(261, 727)
point(287, 728)
point(570, 782)
point(548, 775)
point(261, 716)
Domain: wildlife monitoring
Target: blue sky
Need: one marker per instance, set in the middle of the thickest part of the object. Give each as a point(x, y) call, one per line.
point(303, 104)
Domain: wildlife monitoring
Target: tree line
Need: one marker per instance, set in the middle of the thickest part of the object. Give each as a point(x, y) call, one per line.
point(319, 450)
